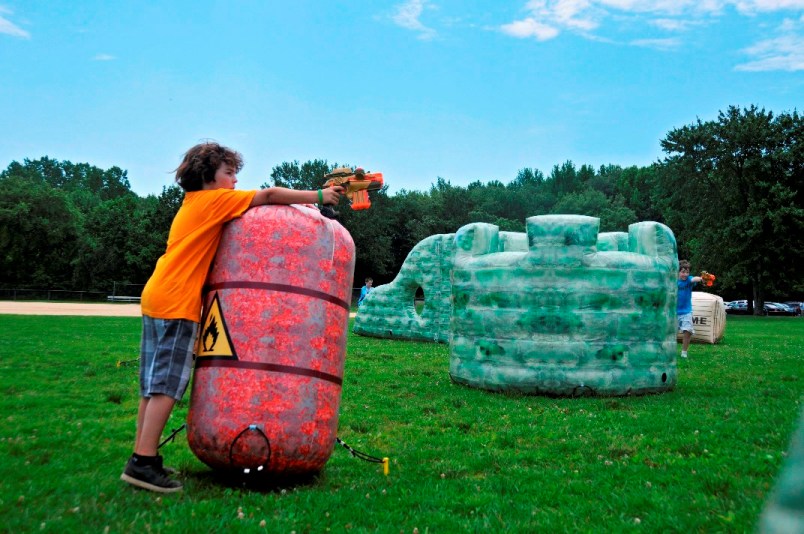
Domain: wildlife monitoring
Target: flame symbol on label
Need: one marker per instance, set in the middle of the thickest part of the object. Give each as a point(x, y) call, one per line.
point(212, 330)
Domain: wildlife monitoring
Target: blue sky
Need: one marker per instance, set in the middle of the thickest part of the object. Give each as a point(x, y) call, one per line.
point(417, 89)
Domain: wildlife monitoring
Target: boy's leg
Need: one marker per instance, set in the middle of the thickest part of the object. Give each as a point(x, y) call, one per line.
point(140, 420)
point(156, 413)
point(687, 329)
point(685, 341)
point(144, 469)
point(165, 364)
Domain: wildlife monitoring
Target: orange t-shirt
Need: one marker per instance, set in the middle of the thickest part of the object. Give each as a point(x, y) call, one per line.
point(174, 289)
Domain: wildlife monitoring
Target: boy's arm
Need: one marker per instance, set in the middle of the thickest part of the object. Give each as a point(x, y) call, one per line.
point(695, 279)
point(283, 195)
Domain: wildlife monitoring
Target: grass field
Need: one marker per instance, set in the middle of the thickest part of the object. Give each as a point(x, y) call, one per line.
point(699, 459)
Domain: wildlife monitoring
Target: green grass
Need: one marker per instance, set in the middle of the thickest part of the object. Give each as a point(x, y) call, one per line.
point(699, 459)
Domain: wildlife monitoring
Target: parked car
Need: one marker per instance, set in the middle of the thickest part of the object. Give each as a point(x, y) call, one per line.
point(740, 307)
point(795, 305)
point(737, 307)
point(777, 308)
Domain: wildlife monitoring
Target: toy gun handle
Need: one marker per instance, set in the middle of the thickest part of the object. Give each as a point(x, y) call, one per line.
point(360, 200)
point(708, 278)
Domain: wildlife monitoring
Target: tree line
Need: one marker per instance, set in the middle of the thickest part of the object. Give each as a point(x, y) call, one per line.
point(730, 189)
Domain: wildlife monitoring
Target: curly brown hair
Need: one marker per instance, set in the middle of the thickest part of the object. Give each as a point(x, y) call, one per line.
point(201, 162)
point(683, 264)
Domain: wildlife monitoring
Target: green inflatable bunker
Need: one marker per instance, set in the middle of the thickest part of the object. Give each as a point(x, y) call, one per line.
point(571, 315)
point(389, 310)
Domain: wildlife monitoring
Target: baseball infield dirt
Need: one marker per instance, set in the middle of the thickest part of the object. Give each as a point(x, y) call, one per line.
point(16, 307)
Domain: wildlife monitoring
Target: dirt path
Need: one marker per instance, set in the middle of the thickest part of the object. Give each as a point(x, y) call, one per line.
point(16, 307)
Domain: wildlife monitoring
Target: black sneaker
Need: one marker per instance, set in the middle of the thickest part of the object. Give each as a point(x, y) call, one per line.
point(166, 468)
point(150, 477)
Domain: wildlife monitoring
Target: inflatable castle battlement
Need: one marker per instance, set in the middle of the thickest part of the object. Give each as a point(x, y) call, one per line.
point(576, 313)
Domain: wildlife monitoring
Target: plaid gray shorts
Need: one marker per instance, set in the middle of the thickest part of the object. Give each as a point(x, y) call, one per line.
point(166, 356)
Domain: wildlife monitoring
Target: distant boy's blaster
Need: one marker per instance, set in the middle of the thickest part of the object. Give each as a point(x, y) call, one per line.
point(357, 184)
point(707, 278)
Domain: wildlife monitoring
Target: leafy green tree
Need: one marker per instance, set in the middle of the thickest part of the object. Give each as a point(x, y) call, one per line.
point(76, 193)
point(564, 179)
point(411, 221)
point(530, 194)
point(372, 231)
point(614, 215)
point(605, 180)
point(104, 184)
point(450, 207)
point(731, 191)
point(527, 177)
point(110, 254)
point(638, 188)
point(305, 176)
point(39, 233)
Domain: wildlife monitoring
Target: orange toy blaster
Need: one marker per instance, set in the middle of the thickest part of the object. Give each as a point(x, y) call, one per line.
point(357, 184)
point(707, 278)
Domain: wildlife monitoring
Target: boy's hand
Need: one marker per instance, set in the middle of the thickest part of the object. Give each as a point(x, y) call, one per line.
point(332, 195)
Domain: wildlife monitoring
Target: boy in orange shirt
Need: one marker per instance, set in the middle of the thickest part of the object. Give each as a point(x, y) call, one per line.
point(171, 300)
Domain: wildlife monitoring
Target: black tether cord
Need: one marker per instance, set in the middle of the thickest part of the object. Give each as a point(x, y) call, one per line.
point(354, 452)
point(267, 443)
point(358, 454)
point(172, 435)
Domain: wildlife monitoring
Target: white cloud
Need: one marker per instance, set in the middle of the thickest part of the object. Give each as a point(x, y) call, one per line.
point(104, 57)
point(407, 16)
point(752, 6)
point(671, 25)
point(529, 28)
point(659, 44)
point(781, 53)
point(789, 25)
point(665, 7)
point(571, 14)
point(9, 28)
point(545, 19)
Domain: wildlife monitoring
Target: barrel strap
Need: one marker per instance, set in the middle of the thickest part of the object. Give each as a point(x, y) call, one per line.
point(282, 288)
point(200, 363)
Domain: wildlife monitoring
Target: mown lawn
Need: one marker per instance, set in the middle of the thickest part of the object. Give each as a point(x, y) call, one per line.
point(699, 459)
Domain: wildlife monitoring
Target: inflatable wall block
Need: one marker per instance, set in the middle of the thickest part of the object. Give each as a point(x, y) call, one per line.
point(389, 311)
point(564, 318)
point(708, 318)
point(271, 348)
point(608, 241)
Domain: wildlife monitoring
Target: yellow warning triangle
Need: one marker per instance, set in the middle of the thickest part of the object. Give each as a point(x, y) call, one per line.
point(213, 337)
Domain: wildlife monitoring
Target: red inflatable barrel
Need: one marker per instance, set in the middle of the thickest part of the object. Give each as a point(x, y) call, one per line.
point(272, 342)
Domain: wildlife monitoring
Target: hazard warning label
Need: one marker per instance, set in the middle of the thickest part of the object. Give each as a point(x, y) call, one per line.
point(213, 337)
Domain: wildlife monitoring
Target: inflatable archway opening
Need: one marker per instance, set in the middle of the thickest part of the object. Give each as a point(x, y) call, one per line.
point(389, 311)
point(269, 363)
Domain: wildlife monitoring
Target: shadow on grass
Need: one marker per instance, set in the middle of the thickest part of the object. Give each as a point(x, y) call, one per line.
point(256, 482)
